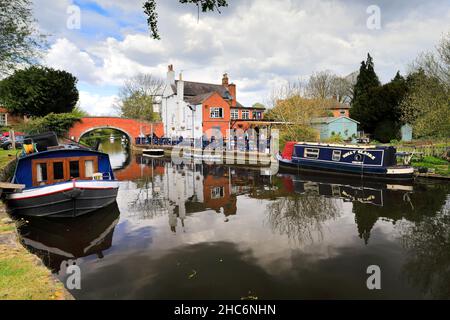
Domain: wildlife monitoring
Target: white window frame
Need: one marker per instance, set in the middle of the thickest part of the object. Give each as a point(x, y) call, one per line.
point(234, 114)
point(257, 115)
point(3, 119)
point(336, 155)
point(217, 192)
point(216, 113)
point(245, 114)
point(311, 153)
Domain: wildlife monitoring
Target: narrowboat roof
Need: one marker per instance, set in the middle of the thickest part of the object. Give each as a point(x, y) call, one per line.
point(59, 148)
point(337, 145)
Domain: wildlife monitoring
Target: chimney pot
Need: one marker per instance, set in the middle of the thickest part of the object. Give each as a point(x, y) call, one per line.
point(225, 80)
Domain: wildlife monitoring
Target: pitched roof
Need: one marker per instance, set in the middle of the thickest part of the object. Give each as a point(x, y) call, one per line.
point(196, 92)
point(197, 88)
point(195, 100)
point(330, 119)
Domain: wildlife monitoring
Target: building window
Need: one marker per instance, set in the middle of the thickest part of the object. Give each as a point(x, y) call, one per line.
point(234, 114)
point(217, 192)
point(216, 113)
point(342, 112)
point(245, 114)
point(336, 155)
point(311, 153)
point(3, 119)
point(257, 115)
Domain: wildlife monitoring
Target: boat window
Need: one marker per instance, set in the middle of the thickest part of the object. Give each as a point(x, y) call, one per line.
point(336, 155)
point(41, 172)
point(74, 169)
point(311, 153)
point(89, 168)
point(58, 170)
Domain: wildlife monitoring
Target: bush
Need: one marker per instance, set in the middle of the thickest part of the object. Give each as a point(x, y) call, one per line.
point(59, 123)
point(335, 138)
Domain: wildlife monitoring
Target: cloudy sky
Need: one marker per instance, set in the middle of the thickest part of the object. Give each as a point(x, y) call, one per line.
point(260, 43)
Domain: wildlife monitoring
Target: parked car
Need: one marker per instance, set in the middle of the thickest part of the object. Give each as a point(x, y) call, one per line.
point(6, 144)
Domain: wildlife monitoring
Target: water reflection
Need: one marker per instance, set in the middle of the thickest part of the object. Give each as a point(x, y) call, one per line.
point(206, 231)
point(58, 240)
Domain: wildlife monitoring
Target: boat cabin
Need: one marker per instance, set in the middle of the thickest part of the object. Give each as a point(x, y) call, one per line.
point(55, 166)
point(382, 156)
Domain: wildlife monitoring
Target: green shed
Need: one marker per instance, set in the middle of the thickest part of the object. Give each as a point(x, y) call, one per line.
point(327, 126)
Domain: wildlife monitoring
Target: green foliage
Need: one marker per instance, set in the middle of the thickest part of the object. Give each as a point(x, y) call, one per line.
point(376, 106)
point(203, 5)
point(59, 123)
point(335, 138)
point(38, 91)
point(19, 38)
point(427, 106)
point(138, 106)
point(259, 105)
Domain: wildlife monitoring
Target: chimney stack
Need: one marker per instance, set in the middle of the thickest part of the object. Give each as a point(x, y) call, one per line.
point(170, 75)
point(225, 80)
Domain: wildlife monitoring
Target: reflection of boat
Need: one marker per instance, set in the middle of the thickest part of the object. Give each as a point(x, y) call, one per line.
point(155, 153)
point(378, 162)
point(341, 188)
point(61, 180)
point(57, 240)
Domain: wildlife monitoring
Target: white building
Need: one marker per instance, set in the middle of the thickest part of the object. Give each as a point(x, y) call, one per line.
point(180, 118)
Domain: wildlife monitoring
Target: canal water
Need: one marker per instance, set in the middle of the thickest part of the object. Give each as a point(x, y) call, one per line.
point(198, 231)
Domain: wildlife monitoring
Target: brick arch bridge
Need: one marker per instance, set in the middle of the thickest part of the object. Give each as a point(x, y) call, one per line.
point(130, 127)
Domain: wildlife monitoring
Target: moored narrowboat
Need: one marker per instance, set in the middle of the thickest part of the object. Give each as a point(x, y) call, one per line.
point(61, 180)
point(361, 161)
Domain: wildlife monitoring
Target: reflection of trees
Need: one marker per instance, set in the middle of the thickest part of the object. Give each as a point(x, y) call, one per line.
point(428, 262)
point(149, 202)
point(425, 201)
point(301, 216)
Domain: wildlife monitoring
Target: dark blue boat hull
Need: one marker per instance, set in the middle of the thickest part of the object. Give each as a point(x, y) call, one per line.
point(297, 165)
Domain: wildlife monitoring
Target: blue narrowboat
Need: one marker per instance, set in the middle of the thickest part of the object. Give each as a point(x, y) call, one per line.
point(61, 180)
point(362, 161)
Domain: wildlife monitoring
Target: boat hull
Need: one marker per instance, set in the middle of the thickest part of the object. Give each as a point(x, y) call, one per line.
point(391, 173)
point(69, 199)
point(154, 153)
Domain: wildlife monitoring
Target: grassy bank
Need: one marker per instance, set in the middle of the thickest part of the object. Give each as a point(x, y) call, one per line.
point(437, 165)
point(22, 276)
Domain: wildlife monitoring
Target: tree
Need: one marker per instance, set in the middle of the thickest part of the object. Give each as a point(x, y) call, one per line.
point(19, 38)
point(427, 106)
point(138, 96)
point(296, 113)
point(38, 91)
point(59, 123)
point(376, 106)
point(362, 107)
point(436, 64)
point(327, 85)
point(204, 5)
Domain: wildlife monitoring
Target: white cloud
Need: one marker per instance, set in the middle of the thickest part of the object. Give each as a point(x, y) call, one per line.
point(98, 105)
point(259, 43)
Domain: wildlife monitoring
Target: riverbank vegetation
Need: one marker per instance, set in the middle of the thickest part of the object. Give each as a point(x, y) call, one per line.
point(22, 276)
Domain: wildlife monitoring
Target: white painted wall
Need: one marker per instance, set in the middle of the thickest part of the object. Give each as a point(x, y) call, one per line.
point(177, 116)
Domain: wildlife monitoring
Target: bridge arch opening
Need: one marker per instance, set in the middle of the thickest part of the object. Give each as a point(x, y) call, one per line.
point(105, 132)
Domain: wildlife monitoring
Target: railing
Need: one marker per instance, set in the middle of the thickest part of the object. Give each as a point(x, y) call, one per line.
point(243, 144)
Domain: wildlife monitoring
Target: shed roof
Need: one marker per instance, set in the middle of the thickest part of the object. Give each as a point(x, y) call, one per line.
point(328, 120)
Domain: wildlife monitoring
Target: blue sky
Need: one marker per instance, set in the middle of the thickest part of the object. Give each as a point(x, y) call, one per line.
point(262, 44)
